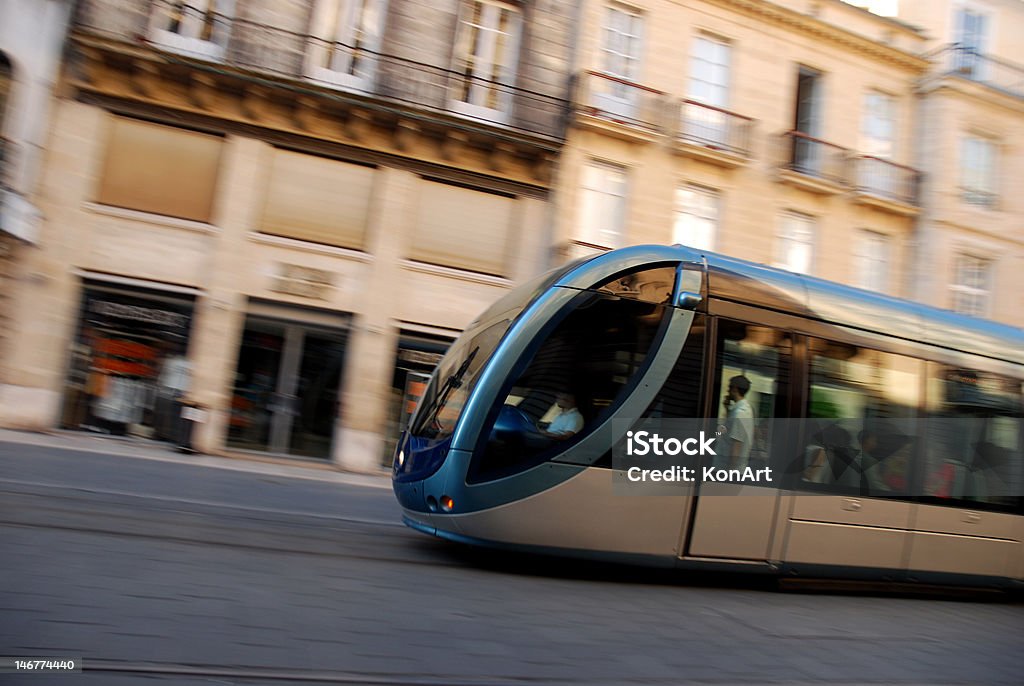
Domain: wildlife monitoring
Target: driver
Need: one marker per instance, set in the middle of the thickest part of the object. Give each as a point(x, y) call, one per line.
point(568, 422)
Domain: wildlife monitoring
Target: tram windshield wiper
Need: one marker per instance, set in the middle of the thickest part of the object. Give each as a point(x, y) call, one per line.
point(453, 381)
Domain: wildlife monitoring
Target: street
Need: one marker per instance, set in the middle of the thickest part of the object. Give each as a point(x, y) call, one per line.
point(161, 571)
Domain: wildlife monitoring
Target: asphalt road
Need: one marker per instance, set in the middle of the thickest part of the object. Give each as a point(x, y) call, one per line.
point(166, 572)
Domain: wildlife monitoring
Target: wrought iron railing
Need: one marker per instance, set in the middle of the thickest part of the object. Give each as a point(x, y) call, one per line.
point(307, 59)
point(813, 157)
point(714, 127)
point(966, 62)
point(614, 99)
point(886, 179)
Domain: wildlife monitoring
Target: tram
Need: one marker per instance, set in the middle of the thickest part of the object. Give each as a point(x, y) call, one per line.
point(895, 429)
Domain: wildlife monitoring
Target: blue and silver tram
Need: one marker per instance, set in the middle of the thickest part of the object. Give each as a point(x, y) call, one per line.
point(654, 332)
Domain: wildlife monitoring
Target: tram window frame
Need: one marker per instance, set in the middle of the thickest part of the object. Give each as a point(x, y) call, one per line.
point(798, 476)
point(786, 368)
point(478, 471)
point(1012, 503)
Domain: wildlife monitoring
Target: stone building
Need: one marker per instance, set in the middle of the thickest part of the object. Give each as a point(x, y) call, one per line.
point(282, 211)
point(811, 135)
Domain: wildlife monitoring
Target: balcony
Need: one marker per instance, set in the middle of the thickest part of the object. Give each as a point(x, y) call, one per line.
point(813, 164)
point(712, 134)
point(618, 107)
point(885, 185)
point(967, 63)
point(259, 58)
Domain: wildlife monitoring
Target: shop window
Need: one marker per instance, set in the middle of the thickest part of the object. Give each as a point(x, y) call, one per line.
point(861, 427)
point(462, 228)
point(972, 452)
point(575, 377)
point(304, 200)
point(129, 373)
point(160, 169)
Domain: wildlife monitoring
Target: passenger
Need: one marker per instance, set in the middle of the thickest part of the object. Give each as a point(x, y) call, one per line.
point(739, 425)
point(568, 422)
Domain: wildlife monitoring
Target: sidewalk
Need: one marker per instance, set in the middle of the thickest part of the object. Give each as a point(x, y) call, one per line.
point(153, 450)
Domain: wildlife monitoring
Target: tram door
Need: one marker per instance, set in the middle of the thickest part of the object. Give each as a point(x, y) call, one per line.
point(750, 388)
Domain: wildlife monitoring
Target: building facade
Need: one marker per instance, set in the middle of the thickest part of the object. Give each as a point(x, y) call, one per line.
point(282, 212)
point(815, 136)
point(31, 42)
point(970, 244)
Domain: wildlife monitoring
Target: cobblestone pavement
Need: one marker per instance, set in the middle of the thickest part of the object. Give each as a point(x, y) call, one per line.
point(159, 571)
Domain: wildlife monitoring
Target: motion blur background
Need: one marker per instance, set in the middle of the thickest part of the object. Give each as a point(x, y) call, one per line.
point(285, 211)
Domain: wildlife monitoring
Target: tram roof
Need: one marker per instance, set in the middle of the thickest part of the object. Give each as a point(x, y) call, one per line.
point(741, 281)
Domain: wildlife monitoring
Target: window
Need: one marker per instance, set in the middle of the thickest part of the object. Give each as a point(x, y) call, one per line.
point(621, 44)
point(972, 445)
point(808, 153)
point(795, 243)
point(196, 27)
point(486, 57)
point(464, 228)
point(879, 125)
point(978, 172)
point(861, 425)
point(972, 285)
point(709, 85)
point(602, 214)
point(5, 90)
point(873, 261)
point(303, 201)
point(752, 389)
point(970, 36)
point(573, 381)
point(160, 169)
point(696, 217)
point(345, 37)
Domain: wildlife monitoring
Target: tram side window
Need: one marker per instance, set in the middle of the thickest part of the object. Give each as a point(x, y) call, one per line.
point(752, 389)
point(861, 420)
point(574, 378)
point(973, 438)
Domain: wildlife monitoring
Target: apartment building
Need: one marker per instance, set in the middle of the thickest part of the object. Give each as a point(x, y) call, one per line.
point(282, 212)
point(811, 135)
point(970, 241)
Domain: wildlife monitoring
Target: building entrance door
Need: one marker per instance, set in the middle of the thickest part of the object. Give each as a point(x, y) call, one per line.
point(286, 389)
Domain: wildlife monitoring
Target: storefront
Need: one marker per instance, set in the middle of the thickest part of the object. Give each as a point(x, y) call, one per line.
point(285, 398)
point(129, 370)
point(417, 356)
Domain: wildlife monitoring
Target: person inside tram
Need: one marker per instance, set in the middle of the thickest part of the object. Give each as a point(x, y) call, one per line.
point(568, 422)
point(739, 425)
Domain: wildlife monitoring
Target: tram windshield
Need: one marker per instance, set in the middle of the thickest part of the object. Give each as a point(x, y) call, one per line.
point(457, 373)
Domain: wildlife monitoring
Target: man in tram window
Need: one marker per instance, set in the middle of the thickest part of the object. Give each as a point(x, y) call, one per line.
point(568, 422)
point(739, 425)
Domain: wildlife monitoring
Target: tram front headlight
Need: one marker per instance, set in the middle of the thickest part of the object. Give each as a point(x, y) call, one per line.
point(401, 457)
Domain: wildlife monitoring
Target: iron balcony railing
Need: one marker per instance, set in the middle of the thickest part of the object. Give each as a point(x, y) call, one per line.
point(615, 99)
point(713, 127)
point(886, 179)
point(494, 99)
point(967, 62)
point(813, 157)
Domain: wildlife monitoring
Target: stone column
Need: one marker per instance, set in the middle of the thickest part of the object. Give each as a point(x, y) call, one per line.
point(370, 356)
point(220, 313)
